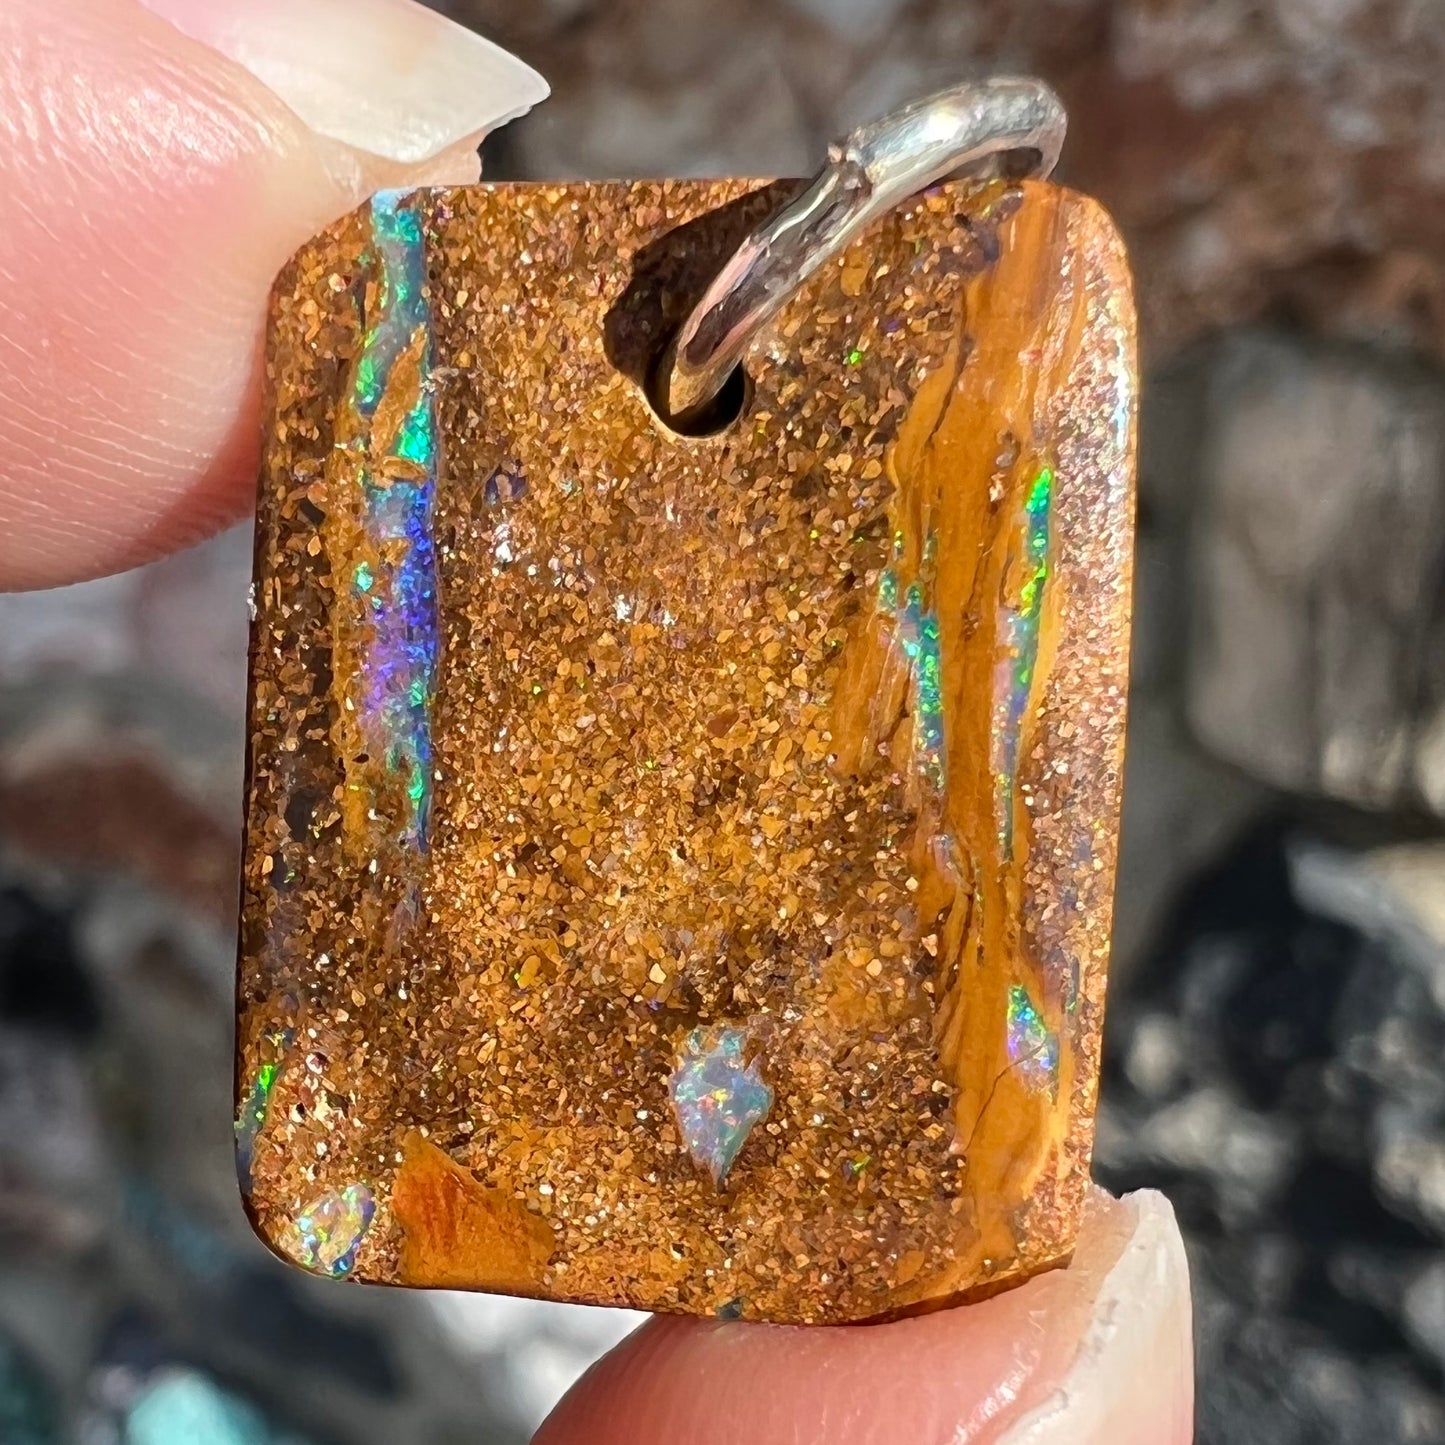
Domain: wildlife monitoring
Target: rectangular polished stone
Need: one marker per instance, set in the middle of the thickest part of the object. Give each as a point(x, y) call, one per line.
point(678, 869)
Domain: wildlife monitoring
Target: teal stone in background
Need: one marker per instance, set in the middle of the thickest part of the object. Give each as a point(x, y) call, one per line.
point(27, 1414)
point(182, 1407)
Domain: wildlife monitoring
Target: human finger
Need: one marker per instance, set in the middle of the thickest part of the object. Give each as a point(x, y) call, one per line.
point(160, 163)
point(1098, 1353)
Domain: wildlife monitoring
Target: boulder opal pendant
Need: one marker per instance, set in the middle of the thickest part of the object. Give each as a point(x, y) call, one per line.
point(679, 867)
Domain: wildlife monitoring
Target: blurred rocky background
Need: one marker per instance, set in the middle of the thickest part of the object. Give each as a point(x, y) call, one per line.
point(1277, 1044)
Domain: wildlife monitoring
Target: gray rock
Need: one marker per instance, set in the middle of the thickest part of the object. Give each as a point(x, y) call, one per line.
point(1318, 562)
point(1394, 893)
point(1425, 1310)
point(537, 1347)
point(855, 20)
point(1276, 1067)
point(746, 121)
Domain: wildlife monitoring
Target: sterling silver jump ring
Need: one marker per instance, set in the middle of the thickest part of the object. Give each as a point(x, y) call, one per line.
point(1011, 124)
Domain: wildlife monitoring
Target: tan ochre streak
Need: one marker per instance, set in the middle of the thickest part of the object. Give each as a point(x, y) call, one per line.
point(459, 1234)
point(1023, 325)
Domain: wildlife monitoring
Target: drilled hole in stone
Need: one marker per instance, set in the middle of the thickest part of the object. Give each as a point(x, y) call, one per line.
point(713, 416)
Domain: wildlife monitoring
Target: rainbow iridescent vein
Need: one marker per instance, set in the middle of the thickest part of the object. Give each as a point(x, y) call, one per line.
point(1019, 625)
point(399, 660)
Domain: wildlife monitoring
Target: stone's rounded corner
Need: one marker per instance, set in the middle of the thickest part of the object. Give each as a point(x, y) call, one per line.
point(343, 237)
point(1102, 231)
point(1111, 273)
point(268, 1230)
point(333, 1227)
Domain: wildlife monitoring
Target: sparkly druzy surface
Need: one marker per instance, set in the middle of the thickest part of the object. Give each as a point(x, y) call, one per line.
point(678, 870)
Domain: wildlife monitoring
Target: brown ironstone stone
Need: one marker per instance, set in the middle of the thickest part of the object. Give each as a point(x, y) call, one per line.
point(679, 868)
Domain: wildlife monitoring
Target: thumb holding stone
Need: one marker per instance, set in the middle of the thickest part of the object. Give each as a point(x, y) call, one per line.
point(161, 162)
point(391, 79)
point(1099, 1353)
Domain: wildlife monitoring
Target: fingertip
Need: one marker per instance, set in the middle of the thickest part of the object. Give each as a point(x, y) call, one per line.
point(1098, 1353)
point(400, 81)
point(1130, 1376)
point(154, 187)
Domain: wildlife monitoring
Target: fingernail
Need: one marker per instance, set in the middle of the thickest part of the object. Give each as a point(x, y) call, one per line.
point(1132, 1377)
point(386, 76)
